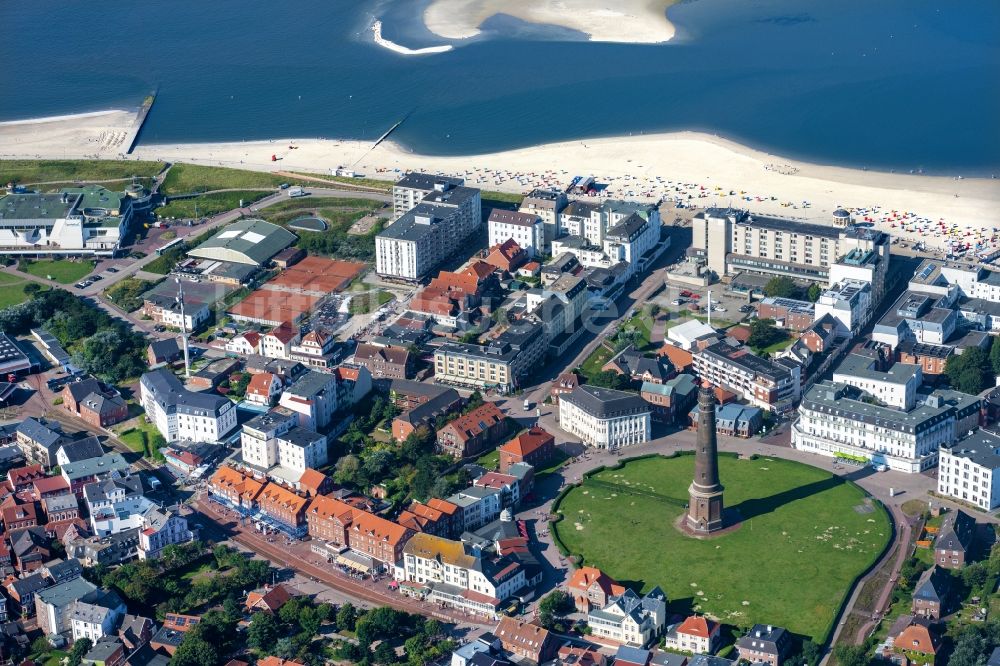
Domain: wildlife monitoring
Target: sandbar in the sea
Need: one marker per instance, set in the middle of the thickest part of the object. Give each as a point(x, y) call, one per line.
point(629, 21)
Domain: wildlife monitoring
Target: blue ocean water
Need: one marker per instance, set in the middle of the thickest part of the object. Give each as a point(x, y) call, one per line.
point(894, 84)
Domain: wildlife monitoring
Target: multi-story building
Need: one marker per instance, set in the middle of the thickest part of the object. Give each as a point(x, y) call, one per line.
point(629, 619)
point(955, 541)
point(341, 524)
point(388, 362)
point(842, 421)
point(526, 229)
point(917, 316)
point(161, 528)
point(411, 189)
point(316, 349)
point(97, 403)
point(591, 588)
point(277, 343)
point(548, 204)
point(501, 364)
point(264, 389)
point(695, 634)
point(733, 240)
point(849, 303)
point(969, 470)
point(39, 440)
point(459, 575)
point(275, 438)
point(787, 313)
point(605, 418)
point(182, 414)
point(78, 221)
point(283, 509)
point(97, 618)
point(473, 433)
point(896, 387)
point(439, 517)
point(313, 397)
point(671, 400)
point(235, 490)
point(165, 308)
point(535, 447)
point(478, 506)
point(764, 644)
point(428, 232)
point(767, 384)
point(51, 605)
point(930, 594)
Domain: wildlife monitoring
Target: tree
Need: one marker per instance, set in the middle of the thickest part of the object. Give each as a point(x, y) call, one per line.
point(384, 654)
point(499, 317)
point(610, 379)
point(324, 612)
point(851, 655)
point(552, 606)
point(814, 292)
point(971, 372)
point(80, 648)
point(763, 333)
point(195, 651)
point(348, 471)
point(347, 617)
point(263, 632)
point(995, 354)
point(31, 289)
point(781, 287)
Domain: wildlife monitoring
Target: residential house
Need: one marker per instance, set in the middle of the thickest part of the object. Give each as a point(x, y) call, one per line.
point(341, 524)
point(628, 655)
point(524, 640)
point(670, 400)
point(277, 343)
point(264, 390)
point(182, 414)
point(316, 349)
point(564, 383)
point(170, 635)
point(22, 479)
point(631, 363)
point(39, 439)
point(59, 571)
point(953, 546)
point(269, 599)
point(29, 548)
point(917, 644)
point(764, 644)
point(438, 517)
point(525, 229)
point(97, 403)
point(592, 588)
point(163, 352)
point(22, 591)
point(78, 450)
point(53, 604)
point(696, 634)
point(930, 594)
point(96, 616)
point(508, 485)
point(507, 257)
point(313, 397)
point(473, 433)
point(235, 490)
point(535, 447)
point(107, 651)
point(244, 344)
point(19, 516)
point(161, 528)
point(389, 361)
point(135, 631)
point(629, 619)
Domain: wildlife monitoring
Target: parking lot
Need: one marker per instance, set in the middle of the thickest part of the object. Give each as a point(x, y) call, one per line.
point(727, 307)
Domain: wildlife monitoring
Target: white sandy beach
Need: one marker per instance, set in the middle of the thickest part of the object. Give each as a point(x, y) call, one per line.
point(634, 21)
point(697, 170)
point(97, 134)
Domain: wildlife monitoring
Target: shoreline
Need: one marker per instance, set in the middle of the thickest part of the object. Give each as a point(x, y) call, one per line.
point(61, 118)
point(376, 29)
point(693, 169)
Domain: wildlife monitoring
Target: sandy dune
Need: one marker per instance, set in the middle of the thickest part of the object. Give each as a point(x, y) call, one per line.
point(634, 21)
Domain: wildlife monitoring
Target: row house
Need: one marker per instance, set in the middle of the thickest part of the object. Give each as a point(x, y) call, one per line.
point(286, 509)
point(473, 433)
point(341, 524)
point(235, 489)
point(438, 517)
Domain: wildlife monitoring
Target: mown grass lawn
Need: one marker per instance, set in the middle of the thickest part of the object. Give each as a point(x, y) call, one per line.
point(490, 460)
point(805, 536)
point(185, 178)
point(209, 204)
point(60, 270)
point(44, 171)
point(12, 290)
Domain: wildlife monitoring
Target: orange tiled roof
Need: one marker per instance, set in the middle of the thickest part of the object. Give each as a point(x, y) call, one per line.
point(917, 638)
point(261, 384)
point(228, 478)
point(468, 425)
point(444, 506)
point(379, 528)
point(697, 625)
point(283, 332)
point(528, 442)
point(328, 507)
point(275, 494)
point(312, 479)
point(584, 577)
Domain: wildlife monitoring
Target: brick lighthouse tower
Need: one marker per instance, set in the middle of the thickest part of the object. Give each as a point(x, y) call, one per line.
point(705, 508)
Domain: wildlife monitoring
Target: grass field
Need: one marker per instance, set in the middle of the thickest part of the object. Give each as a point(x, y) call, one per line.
point(209, 204)
point(365, 303)
point(42, 171)
point(804, 538)
point(185, 178)
point(490, 460)
point(12, 290)
point(60, 270)
point(372, 183)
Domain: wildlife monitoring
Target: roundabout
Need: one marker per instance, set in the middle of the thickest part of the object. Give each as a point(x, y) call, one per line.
point(804, 536)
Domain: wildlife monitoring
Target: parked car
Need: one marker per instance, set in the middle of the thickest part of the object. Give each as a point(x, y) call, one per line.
point(718, 308)
point(677, 301)
point(112, 269)
point(95, 278)
point(79, 285)
point(686, 293)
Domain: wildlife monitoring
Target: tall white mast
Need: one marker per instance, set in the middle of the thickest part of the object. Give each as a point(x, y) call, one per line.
point(184, 334)
point(709, 309)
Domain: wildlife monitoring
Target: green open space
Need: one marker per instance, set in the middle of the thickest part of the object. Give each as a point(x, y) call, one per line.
point(339, 215)
point(12, 290)
point(371, 183)
point(805, 536)
point(369, 302)
point(71, 171)
point(209, 204)
point(185, 178)
point(490, 460)
point(60, 270)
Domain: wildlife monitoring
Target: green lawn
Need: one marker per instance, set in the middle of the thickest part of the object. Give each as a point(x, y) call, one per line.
point(41, 171)
point(209, 204)
point(184, 178)
point(371, 183)
point(12, 290)
point(60, 270)
point(777, 346)
point(490, 460)
point(339, 214)
point(804, 538)
point(365, 303)
point(597, 358)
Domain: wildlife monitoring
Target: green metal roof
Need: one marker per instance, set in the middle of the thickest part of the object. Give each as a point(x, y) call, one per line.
point(248, 241)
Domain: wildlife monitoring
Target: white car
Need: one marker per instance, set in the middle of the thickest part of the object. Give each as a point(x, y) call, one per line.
point(718, 308)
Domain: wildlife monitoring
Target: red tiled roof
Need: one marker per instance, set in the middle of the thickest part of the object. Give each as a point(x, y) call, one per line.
point(528, 442)
point(50, 484)
point(312, 480)
point(697, 625)
point(917, 638)
point(284, 332)
point(469, 425)
point(261, 384)
point(584, 577)
point(495, 480)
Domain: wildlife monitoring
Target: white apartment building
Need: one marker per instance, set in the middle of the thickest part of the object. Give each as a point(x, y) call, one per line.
point(182, 414)
point(95, 620)
point(277, 343)
point(773, 385)
point(969, 470)
point(480, 506)
point(429, 232)
point(161, 528)
point(452, 569)
point(527, 230)
point(895, 387)
point(316, 349)
point(313, 397)
point(836, 421)
point(547, 204)
point(629, 619)
point(633, 240)
point(276, 439)
point(163, 308)
point(922, 317)
point(411, 189)
point(849, 303)
point(77, 221)
point(605, 418)
point(733, 240)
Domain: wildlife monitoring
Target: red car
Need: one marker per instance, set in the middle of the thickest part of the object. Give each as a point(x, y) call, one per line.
point(686, 294)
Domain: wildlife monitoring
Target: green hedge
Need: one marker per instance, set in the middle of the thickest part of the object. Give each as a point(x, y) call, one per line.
point(563, 550)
